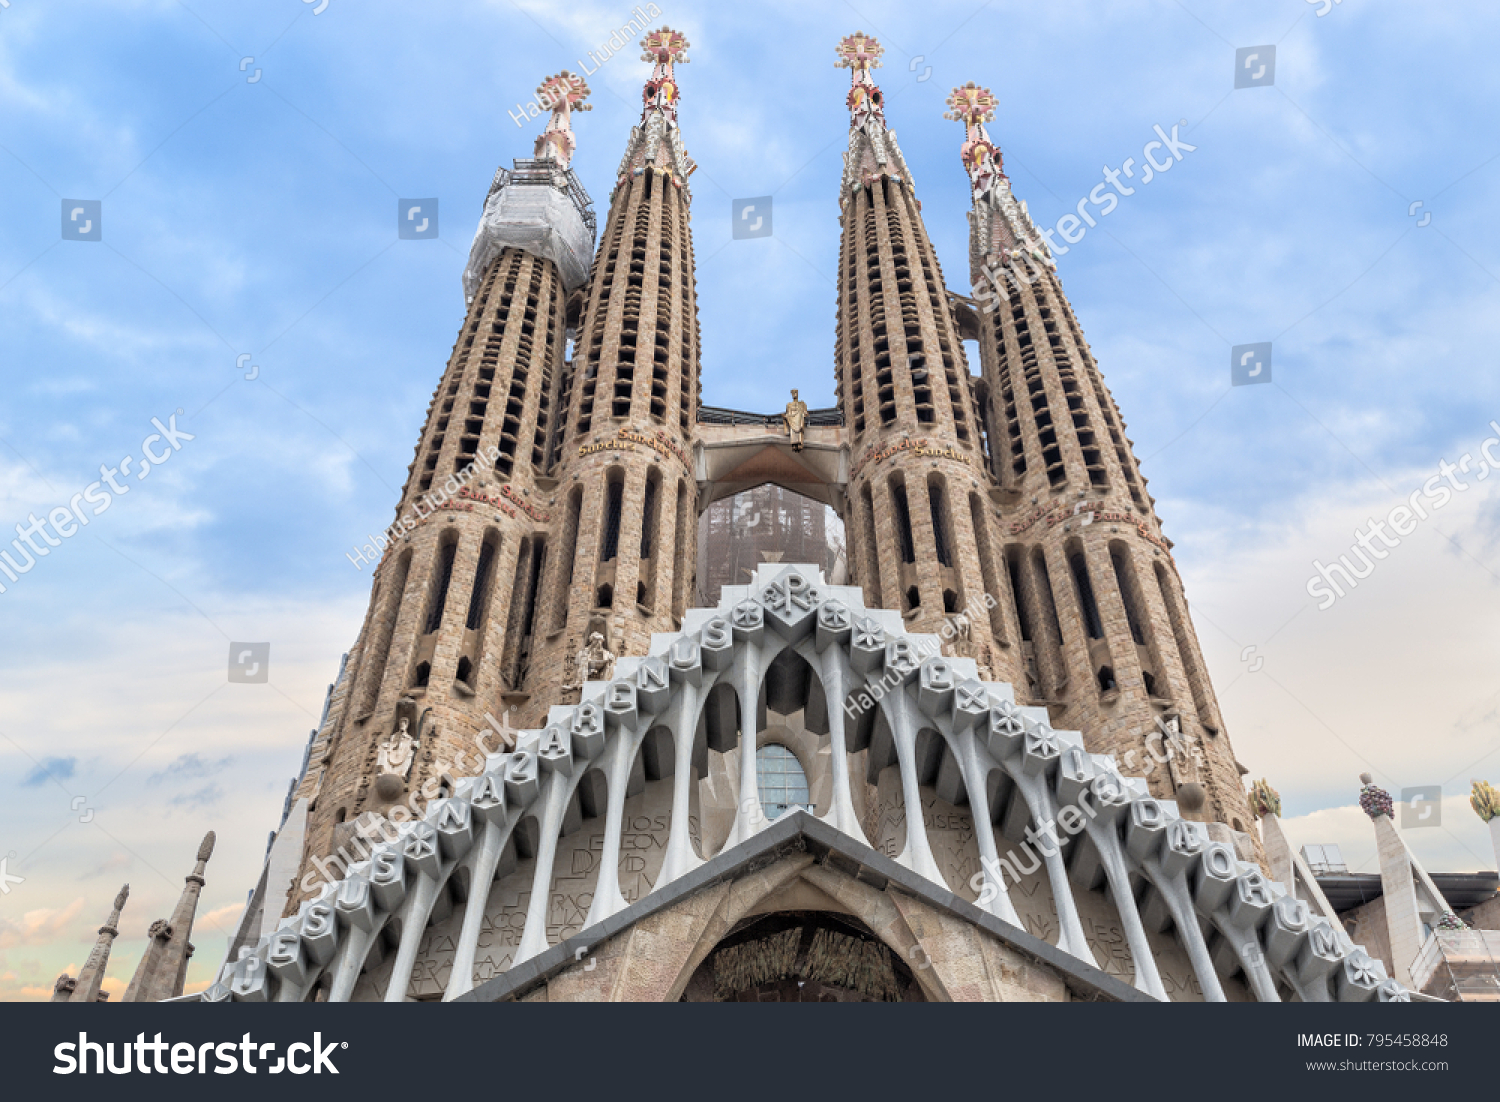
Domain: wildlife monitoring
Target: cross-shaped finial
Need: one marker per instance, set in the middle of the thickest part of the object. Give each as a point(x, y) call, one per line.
point(665, 46)
point(858, 51)
point(564, 88)
point(971, 104)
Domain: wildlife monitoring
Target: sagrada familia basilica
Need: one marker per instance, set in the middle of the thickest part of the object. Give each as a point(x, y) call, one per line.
point(979, 758)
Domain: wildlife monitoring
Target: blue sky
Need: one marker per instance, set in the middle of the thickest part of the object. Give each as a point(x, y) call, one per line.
point(256, 216)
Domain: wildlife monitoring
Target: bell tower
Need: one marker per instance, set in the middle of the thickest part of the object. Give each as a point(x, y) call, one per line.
point(1106, 639)
point(920, 530)
point(627, 405)
point(452, 611)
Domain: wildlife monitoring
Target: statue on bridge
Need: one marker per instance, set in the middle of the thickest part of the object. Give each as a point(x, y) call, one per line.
point(795, 419)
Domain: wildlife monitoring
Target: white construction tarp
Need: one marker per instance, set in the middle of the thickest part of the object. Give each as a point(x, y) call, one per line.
point(539, 219)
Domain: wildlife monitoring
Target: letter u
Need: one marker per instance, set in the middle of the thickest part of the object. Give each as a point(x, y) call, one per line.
point(1369, 566)
point(109, 1056)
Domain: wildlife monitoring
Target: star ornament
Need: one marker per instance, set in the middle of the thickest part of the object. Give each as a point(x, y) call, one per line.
point(665, 45)
point(858, 51)
point(971, 104)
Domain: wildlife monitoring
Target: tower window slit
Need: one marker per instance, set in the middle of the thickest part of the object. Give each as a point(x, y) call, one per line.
point(614, 502)
point(479, 597)
point(940, 534)
point(1086, 603)
point(903, 522)
point(441, 580)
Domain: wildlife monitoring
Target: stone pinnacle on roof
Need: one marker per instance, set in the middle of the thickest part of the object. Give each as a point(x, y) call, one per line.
point(1485, 800)
point(1374, 801)
point(1264, 800)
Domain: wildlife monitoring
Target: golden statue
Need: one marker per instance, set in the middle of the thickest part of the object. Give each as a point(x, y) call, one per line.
point(795, 419)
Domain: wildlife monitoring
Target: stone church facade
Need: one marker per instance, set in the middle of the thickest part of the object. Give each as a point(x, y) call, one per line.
point(988, 764)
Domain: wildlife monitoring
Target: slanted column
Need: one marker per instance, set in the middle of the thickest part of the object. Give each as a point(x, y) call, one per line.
point(1411, 899)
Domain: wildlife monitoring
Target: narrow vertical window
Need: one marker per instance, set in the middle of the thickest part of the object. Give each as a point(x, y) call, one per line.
point(441, 577)
point(1128, 596)
point(614, 502)
point(903, 521)
point(941, 536)
point(479, 597)
point(1086, 604)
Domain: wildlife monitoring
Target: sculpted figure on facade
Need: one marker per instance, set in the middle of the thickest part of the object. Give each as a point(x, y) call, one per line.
point(595, 662)
point(396, 751)
point(795, 419)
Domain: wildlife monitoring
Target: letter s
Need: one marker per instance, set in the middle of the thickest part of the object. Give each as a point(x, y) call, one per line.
point(1317, 587)
point(101, 499)
point(1109, 202)
point(63, 1052)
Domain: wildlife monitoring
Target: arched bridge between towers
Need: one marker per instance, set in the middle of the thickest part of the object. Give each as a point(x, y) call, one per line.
point(738, 451)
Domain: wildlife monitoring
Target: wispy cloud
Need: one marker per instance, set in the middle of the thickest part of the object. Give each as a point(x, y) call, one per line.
point(50, 769)
point(190, 766)
point(200, 798)
point(39, 927)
